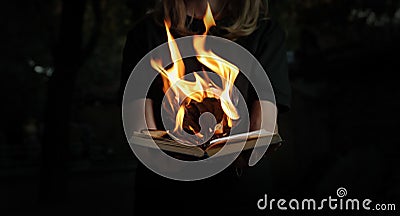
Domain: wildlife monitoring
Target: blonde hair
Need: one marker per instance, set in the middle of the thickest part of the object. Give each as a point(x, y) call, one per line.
point(244, 15)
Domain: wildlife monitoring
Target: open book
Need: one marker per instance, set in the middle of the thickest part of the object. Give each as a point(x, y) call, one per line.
point(235, 144)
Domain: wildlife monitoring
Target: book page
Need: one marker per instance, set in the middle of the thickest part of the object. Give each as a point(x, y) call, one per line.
point(243, 136)
point(165, 144)
point(241, 144)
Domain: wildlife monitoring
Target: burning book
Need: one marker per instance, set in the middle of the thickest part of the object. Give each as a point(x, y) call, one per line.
point(202, 107)
point(235, 143)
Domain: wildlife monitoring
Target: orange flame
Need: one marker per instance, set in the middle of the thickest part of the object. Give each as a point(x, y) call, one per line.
point(185, 91)
point(208, 19)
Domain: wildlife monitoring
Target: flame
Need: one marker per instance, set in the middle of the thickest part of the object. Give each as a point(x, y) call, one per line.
point(179, 118)
point(202, 87)
point(223, 68)
point(208, 19)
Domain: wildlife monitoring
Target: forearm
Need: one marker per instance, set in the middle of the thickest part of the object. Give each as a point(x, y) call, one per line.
point(263, 116)
point(141, 115)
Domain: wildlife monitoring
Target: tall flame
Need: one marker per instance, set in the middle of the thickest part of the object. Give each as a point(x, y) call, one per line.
point(202, 87)
point(223, 68)
point(208, 19)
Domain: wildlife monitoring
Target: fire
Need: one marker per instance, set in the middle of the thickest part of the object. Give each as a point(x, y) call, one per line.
point(184, 91)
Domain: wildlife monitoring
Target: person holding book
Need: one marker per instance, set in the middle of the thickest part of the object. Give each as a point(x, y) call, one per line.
point(247, 23)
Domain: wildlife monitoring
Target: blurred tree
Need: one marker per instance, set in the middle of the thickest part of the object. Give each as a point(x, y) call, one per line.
point(68, 59)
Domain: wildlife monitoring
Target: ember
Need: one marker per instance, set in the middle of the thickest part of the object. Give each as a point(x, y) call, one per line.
point(194, 110)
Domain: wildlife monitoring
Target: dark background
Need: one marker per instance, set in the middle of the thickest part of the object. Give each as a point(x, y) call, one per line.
point(62, 147)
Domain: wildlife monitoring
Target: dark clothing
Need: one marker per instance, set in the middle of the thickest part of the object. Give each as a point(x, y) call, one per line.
point(225, 192)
